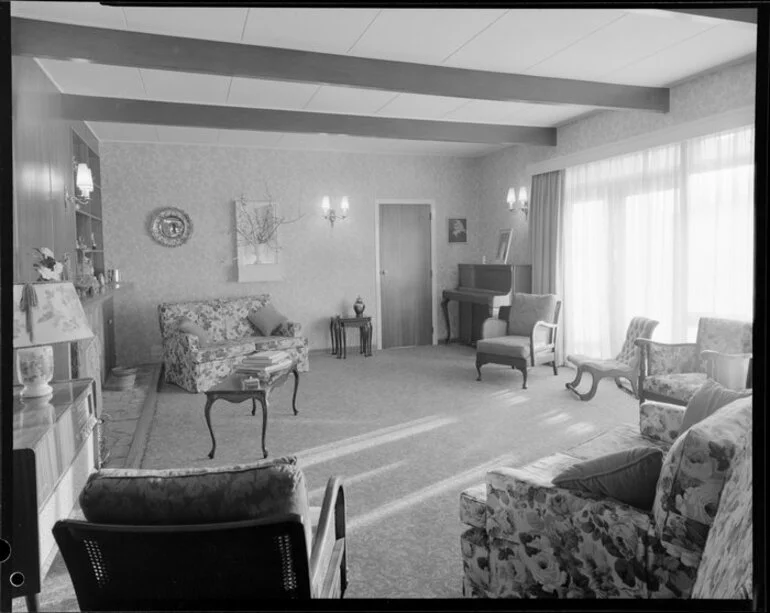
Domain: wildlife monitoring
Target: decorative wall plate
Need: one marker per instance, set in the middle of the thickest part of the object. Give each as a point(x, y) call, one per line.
point(171, 226)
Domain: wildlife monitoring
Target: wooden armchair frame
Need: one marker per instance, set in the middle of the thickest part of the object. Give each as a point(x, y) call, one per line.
point(545, 354)
point(204, 567)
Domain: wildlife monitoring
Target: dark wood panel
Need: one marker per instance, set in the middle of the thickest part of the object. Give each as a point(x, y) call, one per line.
point(123, 110)
point(138, 49)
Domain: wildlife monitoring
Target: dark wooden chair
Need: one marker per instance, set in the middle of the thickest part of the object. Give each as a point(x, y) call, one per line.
point(227, 566)
point(625, 365)
point(522, 335)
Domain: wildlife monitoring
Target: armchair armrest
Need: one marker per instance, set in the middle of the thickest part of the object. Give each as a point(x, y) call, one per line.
point(492, 328)
point(542, 531)
point(667, 358)
point(181, 342)
point(547, 330)
point(330, 580)
point(660, 421)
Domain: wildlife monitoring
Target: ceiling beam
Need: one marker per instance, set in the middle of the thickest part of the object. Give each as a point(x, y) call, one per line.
point(46, 39)
point(92, 108)
point(745, 15)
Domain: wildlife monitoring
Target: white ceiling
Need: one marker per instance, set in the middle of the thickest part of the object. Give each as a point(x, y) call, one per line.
point(626, 46)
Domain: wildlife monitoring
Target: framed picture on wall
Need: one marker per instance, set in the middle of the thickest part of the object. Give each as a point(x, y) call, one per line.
point(503, 245)
point(458, 230)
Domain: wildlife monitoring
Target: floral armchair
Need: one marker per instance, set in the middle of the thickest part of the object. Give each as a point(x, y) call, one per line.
point(531, 539)
point(673, 372)
point(195, 365)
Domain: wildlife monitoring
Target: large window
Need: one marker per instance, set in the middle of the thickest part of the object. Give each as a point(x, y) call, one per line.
point(666, 233)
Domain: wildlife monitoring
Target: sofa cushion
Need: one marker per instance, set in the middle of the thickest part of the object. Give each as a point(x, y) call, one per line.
point(509, 346)
point(189, 327)
point(696, 468)
point(473, 506)
point(710, 397)
point(266, 319)
point(628, 475)
point(197, 495)
point(680, 386)
point(527, 310)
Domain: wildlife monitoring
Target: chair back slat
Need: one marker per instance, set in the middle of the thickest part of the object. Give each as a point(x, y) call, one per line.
point(227, 566)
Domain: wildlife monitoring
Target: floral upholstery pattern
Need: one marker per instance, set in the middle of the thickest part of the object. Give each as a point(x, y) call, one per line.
point(660, 421)
point(726, 565)
point(663, 358)
point(680, 386)
point(196, 368)
point(543, 541)
point(724, 335)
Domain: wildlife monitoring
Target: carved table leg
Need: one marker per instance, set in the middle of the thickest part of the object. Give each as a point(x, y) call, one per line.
point(263, 400)
point(445, 309)
point(296, 385)
point(344, 342)
point(253, 405)
point(207, 415)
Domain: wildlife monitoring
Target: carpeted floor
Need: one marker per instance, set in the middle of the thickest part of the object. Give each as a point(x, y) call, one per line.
point(408, 429)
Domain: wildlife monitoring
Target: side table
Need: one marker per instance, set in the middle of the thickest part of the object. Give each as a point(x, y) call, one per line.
point(364, 325)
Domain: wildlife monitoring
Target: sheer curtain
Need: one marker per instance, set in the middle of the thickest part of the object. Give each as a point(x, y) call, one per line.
point(666, 233)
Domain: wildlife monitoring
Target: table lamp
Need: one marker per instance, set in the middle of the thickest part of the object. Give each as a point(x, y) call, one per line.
point(44, 314)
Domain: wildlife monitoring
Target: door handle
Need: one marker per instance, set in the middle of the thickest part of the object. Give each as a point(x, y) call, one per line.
point(383, 272)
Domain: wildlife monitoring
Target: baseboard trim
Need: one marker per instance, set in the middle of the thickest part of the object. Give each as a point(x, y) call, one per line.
point(142, 432)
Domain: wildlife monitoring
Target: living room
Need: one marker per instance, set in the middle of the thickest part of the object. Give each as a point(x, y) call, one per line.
point(179, 156)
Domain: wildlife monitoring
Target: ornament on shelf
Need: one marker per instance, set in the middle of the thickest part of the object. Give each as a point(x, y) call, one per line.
point(48, 268)
point(93, 241)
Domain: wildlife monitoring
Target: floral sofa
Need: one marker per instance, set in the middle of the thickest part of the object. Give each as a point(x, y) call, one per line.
point(196, 368)
point(528, 538)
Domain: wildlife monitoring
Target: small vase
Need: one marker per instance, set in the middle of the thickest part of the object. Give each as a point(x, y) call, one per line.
point(359, 306)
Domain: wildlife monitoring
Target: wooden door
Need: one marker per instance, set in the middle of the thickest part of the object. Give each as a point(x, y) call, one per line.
point(405, 275)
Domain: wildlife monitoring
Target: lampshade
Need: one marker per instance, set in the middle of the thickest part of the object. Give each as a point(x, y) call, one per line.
point(511, 196)
point(325, 204)
point(43, 314)
point(58, 316)
point(523, 194)
point(344, 205)
point(84, 180)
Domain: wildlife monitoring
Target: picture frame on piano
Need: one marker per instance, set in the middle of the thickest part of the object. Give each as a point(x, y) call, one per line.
point(504, 245)
point(458, 230)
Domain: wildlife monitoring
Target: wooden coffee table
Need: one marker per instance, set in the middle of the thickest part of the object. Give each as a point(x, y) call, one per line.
point(232, 389)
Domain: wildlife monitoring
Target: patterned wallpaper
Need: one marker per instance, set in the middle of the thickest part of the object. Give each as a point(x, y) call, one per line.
point(326, 268)
point(710, 94)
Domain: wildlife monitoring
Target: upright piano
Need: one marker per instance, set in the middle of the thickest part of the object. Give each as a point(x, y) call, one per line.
point(482, 290)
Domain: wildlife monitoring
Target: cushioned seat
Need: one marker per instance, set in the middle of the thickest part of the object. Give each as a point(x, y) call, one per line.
point(513, 346)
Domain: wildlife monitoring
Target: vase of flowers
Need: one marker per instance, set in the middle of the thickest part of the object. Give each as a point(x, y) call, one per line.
point(47, 267)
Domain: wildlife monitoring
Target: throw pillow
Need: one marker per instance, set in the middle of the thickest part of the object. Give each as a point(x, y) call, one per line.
point(710, 397)
point(629, 476)
point(189, 327)
point(266, 319)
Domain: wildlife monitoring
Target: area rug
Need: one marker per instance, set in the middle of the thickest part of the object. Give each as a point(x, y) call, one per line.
point(408, 430)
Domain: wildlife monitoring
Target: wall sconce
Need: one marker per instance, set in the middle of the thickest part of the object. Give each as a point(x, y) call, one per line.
point(330, 213)
point(84, 181)
point(523, 200)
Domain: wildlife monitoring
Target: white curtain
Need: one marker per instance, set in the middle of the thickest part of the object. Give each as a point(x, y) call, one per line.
point(665, 233)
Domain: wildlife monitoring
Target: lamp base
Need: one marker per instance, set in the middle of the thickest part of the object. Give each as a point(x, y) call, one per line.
point(34, 367)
